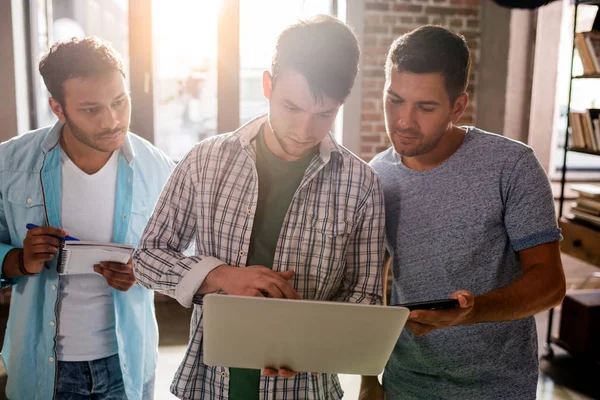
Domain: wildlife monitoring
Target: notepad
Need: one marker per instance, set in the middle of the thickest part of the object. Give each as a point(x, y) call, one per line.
point(80, 257)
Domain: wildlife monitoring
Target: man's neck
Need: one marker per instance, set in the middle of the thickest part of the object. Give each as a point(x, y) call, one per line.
point(87, 159)
point(448, 145)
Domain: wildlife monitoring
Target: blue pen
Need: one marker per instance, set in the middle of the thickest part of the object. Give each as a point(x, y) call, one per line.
point(32, 226)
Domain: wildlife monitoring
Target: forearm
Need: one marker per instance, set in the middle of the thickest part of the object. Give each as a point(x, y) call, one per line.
point(172, 273)
point(533, 292)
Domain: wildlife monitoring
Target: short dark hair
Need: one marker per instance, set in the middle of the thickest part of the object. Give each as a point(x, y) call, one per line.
point(77, 58)
point(322, 49)
point(432, 49)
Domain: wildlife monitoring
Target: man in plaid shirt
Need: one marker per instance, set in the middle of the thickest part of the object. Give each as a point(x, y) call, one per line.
point(276, 207)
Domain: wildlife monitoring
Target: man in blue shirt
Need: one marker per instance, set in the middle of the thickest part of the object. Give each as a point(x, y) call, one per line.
point(78, 336)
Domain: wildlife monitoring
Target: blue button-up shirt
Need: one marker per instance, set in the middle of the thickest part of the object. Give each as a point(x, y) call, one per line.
point(30, 176)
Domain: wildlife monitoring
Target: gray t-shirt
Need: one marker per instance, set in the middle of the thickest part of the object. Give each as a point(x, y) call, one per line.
point(460, 226)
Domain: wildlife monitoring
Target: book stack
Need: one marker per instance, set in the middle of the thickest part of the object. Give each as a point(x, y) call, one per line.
point(585, 130)
point(587, 208)
point(588, 47)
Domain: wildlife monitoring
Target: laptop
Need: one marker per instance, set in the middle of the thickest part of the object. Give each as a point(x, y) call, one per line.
point(301, 335)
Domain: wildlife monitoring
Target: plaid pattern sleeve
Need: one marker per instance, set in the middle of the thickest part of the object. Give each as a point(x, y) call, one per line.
point(332, 236)
point(159, 263)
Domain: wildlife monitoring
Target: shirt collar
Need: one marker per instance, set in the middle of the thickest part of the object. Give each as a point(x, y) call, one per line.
point(248, 132)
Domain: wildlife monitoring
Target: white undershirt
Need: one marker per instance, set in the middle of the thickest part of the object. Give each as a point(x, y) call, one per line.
point(86, 313)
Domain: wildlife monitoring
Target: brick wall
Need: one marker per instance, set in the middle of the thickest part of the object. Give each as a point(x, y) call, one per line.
point(385, 20)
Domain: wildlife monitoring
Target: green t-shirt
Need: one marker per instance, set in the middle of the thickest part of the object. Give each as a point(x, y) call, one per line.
point(278, 181)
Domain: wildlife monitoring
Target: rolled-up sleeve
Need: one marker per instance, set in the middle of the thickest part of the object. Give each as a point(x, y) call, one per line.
point(159, 262)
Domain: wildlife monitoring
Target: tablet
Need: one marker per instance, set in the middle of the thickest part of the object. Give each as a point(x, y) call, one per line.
point(301, 335)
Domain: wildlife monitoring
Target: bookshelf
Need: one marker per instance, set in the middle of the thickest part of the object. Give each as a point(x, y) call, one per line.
point(573, 126)
point(580, 240)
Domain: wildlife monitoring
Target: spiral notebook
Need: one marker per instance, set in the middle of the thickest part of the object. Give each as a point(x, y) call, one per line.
point(79, 257)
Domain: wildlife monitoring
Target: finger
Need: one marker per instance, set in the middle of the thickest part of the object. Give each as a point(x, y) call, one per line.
point(437, 318)
point(465, 298)
point(118, 285)
point(287, 291)
point(43, 248)
point(41, 257)
point(44, 239)
point(287, 275)
point(47, 230)
point(287, 373)
point(114, 276)
point(273, 290)
point(269, 372)
point(116, 267)
point(418, 329)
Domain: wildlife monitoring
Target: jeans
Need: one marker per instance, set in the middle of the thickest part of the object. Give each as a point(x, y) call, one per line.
point(98, 380)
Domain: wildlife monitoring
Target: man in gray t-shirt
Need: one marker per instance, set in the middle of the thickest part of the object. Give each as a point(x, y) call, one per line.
point(470, 216)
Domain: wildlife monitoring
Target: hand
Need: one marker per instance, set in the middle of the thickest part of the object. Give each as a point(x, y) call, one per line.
point(421, 322)
point(371, 389)
point(117, 275)
point(40, 245)
point(253, 281)
point(282, 372)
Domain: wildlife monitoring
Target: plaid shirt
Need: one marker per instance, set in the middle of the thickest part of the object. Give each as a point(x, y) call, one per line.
point(332, 236)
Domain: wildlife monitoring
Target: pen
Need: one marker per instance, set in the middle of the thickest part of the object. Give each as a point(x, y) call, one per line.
point(32, 226)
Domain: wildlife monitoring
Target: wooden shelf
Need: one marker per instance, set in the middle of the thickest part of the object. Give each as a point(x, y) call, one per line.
point(580, 241)
point(586, 151)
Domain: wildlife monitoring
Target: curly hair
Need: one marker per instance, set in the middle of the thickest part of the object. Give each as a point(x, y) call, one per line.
point(77, 58)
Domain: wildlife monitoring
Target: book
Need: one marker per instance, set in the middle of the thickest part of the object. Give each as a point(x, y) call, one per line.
point(587, 190)
point(592, 219)
point(584, 53)
point(591, 115)
point(586, 210)
point(592, 41)
point(588, 129)
point(577, 136)
point(590, 204)
point(79, 257)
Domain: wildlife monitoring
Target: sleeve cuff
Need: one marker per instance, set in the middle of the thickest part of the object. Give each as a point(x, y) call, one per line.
point(192, 280)
point(550, 235)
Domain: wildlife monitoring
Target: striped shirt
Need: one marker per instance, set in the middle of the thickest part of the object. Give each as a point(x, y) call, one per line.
point(332, 236)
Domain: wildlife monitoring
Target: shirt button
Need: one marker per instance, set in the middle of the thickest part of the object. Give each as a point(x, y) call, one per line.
point(51, 359)
point(224, 374)
point(249, 212)
point(124, 216)
point(29, 200)
point(52, 323)
point(242, 253)
point(53, 287)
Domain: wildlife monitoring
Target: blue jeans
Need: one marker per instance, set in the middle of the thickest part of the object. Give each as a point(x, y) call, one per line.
point(98, 380)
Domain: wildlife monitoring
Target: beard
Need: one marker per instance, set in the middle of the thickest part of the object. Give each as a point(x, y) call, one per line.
point(93, 140)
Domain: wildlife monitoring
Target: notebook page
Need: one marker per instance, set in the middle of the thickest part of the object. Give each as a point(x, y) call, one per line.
point(80, 258)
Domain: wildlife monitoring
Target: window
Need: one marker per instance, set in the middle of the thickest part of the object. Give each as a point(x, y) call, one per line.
point(185, 73)
point(178, 99)
point(58, 20)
